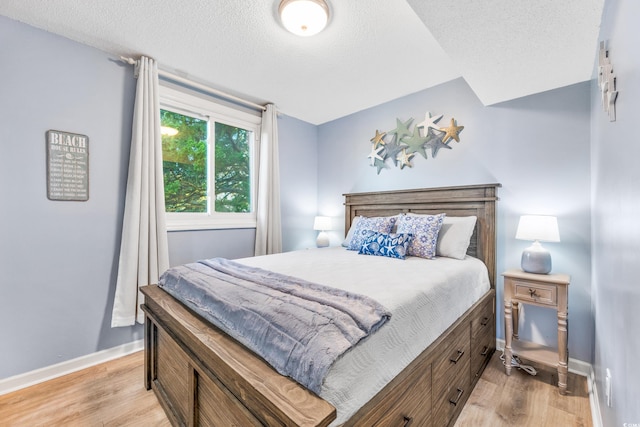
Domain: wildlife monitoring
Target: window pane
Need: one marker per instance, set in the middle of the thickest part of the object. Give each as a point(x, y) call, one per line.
point(232, 169)
point(184, 160)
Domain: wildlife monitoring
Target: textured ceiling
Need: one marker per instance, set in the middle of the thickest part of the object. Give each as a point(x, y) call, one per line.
point(506, 49)
point(372, 51)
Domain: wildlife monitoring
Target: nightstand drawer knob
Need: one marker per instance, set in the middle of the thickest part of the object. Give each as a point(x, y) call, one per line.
point(484, 322)
point(532, 293)
point(457, 358)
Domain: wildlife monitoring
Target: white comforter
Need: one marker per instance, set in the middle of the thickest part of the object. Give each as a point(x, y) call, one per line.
point(423, 296)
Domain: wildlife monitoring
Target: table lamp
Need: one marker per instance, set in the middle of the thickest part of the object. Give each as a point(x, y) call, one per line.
point(322, 224)
point(535, 258)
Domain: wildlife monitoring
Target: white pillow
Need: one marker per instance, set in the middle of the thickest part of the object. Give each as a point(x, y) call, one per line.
point(455, 235)
point(347, 239)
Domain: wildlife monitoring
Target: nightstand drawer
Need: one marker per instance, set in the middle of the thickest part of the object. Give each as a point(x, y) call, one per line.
point(537, 293)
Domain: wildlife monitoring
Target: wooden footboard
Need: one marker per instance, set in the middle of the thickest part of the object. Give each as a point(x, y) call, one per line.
point(202, 376)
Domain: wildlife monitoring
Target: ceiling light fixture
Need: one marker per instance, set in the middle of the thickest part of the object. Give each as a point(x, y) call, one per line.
point(304, 17)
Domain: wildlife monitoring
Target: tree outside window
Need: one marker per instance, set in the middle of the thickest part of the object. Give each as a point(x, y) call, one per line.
point(209, 162)
point(185, 164)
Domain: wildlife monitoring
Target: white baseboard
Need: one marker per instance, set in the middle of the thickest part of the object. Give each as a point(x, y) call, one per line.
point(596, 416)
point(586, 370)
point(37, 376)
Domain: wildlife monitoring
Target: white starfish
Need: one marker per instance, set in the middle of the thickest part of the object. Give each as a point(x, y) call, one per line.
point(375, 154)
point(390, 247)
point(429, 122)
point(405, 158)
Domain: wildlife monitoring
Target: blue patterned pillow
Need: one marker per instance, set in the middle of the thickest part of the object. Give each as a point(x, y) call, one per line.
point(381, 224)
point(390, 245)
point(425, 229)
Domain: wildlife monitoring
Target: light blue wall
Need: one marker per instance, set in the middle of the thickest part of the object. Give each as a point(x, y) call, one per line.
point(191, 246)
point(616, 230)
point(298, 142)
point(538, 149)
point(59, 259)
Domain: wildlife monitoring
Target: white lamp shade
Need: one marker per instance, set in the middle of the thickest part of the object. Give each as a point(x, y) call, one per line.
point(304, 17)
point(322, 223)
point(538, 227)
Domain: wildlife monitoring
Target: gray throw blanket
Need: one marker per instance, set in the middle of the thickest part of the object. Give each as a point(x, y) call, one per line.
point(299, 327)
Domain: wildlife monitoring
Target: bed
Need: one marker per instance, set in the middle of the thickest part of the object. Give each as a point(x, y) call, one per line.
point(204, 377)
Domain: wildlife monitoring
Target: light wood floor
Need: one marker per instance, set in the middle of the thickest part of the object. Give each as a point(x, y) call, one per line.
point(109, 394)
point(526, 401)
point(113, 394)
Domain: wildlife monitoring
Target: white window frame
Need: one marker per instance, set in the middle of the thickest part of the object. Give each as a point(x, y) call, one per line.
point(186, 103)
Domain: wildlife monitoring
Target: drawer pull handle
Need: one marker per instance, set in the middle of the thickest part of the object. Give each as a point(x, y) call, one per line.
point(457, 358)
point(407, 421)
point(455, 401)
point(532, 293)
point(484, 322)
point(485, 351)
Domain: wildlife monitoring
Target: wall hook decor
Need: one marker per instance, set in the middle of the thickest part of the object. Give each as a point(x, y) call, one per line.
point(607, 82)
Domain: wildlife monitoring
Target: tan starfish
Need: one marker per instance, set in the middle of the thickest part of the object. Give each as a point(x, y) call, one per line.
point(452, 131)
point(378, 139)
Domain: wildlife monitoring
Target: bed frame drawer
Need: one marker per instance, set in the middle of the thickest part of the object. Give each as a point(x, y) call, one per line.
point(405, 407)
point(451, 376)
point(452, 357)
point(453, 395)
point(482, 348)
point(483, 342)
point(482, 319)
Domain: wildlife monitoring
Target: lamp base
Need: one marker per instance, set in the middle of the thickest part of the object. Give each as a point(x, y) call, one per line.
point(536, 259)
point(323, 240)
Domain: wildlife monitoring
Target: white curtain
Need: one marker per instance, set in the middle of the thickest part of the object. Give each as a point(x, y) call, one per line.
point(144, 253)
point(268, 228)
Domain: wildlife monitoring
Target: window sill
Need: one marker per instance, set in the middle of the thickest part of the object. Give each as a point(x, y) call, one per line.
point(209, 225)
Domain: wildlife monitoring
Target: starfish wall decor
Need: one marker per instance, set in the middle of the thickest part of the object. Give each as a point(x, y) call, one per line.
point(401, 144)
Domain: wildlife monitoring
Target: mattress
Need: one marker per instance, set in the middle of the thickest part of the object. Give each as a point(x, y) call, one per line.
point(424, 297)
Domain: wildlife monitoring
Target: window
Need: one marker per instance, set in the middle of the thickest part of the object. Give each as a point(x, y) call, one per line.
point(209, 162)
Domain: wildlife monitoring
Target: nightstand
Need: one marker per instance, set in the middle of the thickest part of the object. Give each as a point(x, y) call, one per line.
point(544, 290)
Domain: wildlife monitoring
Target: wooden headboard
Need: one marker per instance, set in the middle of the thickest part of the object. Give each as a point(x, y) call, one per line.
point(478, 200)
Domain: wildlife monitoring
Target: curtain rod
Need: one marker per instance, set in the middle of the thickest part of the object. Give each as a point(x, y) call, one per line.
point(196, 85)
